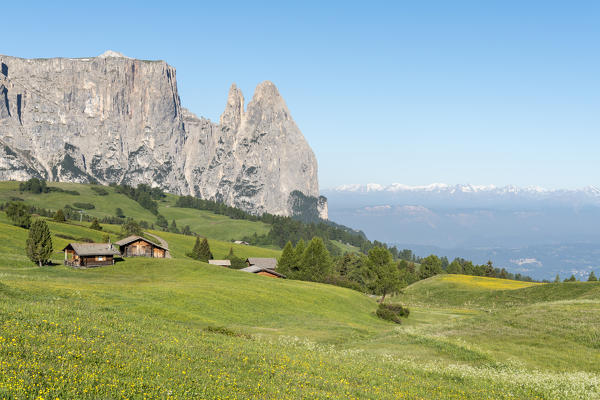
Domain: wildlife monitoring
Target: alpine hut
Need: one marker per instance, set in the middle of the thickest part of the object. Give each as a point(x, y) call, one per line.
point(137, 246)
point(87, 255)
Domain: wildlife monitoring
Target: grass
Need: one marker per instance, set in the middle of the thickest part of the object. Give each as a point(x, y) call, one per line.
point(179, 328)
point(202, 222)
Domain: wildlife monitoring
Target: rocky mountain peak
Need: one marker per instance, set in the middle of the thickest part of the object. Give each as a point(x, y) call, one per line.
point(232, 116)
point(112, 119)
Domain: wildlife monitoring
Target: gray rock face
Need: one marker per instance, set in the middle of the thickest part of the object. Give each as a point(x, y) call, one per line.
point(116, 119)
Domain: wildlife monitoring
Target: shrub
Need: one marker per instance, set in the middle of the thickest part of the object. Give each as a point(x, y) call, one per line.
point(100, 191)
point(84, 206)
point(59, 216)
point(18, 213)
point(392, 312)
point(95, 225)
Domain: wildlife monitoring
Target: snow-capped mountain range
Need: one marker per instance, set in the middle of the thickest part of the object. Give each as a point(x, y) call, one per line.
point(462, 188)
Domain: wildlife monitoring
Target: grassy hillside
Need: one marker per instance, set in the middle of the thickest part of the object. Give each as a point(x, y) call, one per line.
point(178, 328)
point(202, 222)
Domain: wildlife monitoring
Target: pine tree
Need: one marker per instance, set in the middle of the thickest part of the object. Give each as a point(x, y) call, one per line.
point(186, 231)
point(59, 216)
point(204, 253)
point(95, 225)
point(316, 262)
point(105, 238)
point(557, 279)
point(195, 254)
point(592, 277)
point(286, 263)
point(173, 227)
point(39, 242)
point(298, 254)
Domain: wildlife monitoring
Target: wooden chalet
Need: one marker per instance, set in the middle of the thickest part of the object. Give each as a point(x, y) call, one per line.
point(137, 246)
point(86, 255)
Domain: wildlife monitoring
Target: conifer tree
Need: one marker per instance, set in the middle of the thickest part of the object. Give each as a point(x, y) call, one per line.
point(105, 238)
point(95, 225)
point(592, 277)
point(299, 253)
point(195, 254)
point(557, 279)
point(39, 242)
point(387, 274)
point(316, 262)
point(236, 262)
point(204, 253)
point(173, 227)
point(59, 216)
point(286, 263)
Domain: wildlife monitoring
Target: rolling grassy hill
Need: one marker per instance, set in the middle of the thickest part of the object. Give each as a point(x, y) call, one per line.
point(204, 223)
point(179, 328)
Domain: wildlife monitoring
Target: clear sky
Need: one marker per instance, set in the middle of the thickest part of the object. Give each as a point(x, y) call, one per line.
point(480, 92)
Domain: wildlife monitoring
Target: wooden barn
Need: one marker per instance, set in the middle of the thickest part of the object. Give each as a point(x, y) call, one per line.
point(87, 255)
point(137, 246)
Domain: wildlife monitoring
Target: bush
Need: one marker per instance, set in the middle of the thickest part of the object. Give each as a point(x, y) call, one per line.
point(95, 225)
point(100, 191)
point(84, 206)
point(392, 312)
point(18, 213)
point(59, 216)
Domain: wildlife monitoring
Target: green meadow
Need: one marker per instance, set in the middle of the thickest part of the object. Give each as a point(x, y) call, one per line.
point(179, 328)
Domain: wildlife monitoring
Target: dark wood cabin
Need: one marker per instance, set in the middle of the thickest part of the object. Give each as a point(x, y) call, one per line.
point(137, 246)
point(87, 255)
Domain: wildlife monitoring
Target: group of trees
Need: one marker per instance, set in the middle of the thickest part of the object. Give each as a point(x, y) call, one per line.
point(37, 186)
point(572, 278)
point(144, 195)
point(375, 273)
point(201, 250)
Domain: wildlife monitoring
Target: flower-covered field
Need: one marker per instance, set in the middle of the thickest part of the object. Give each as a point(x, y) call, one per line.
point(182, 329)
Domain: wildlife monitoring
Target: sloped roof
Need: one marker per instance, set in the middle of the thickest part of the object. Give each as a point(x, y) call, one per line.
point(269, 263)
point(133, 238)
point(226, 263)
point(93, 249)
point(253, 269)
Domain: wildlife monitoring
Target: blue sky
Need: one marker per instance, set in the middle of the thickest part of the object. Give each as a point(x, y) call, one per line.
point(494, 92)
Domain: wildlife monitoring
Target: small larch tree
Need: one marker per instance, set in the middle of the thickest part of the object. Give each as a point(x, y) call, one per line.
point(316, 262)
point(592, 277)
point(95, 225)
point(201, 250)
point(39, 243)
point(285, 264)
point(387, 275)
point(59, 216)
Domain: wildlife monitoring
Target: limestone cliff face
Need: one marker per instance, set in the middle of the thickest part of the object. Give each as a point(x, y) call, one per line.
point(116, 119)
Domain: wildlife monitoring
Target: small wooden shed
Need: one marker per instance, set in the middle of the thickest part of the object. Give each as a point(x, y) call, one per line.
point(90, 254)
point(137, 246)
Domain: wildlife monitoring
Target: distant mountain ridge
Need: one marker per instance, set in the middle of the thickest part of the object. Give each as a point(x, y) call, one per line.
point(464, 188)
point(113, 119)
